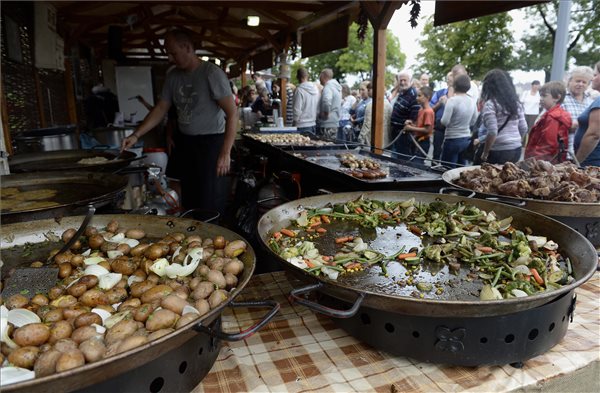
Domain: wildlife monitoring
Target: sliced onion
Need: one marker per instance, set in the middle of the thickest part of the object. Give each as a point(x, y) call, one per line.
point(4, 330)
point(103, 313)
point(3, 311)
point(177, 251)
point(196, 252)
point(95, 270)
point(21, 317)
point(297, 261)
point(99, 329)
point(302, 220)
point(10, 375)
point(551, 245)
point(490, 293)
point(87, 252)
point(72, 283)
point(93, 260)
point(133, 279)
point(523, 269)
point(519, 293)
point(539, 240)
point(159, 267)
point(118, 237)
point(109, 280)
point(331, 273)
point(112, 254)
point(176, 270)
point(130, 242)
point(189, 309)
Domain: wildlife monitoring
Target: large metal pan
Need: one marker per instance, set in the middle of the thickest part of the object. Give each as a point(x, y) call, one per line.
point(379, 292)
point(584, 217)
point(38, 232)
point(67, 160)
point(76, 190)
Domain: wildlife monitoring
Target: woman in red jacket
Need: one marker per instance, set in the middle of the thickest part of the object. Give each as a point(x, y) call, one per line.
point(549, 137)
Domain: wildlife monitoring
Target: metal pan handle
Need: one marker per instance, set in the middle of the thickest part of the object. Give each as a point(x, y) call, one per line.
point(330, 312)
point(507, 201)
point(244, 334)
point(459, 191)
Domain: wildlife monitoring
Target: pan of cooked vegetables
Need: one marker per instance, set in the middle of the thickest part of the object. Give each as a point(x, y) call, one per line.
point(426, 254)
point(130, 290)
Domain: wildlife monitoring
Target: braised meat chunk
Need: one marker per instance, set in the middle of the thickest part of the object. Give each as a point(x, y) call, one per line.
point(536, 179)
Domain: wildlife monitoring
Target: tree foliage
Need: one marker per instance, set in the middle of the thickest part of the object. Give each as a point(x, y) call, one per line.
point(584, 35)
point(357, 58)
point(480, 44)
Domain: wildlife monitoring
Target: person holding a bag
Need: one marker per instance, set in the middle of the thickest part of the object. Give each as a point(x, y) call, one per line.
point(503, 118)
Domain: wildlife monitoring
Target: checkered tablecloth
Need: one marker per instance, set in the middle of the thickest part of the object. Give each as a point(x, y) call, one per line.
point(300, 351)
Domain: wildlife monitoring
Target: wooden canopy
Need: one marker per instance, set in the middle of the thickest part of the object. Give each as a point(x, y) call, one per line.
point(219, 27)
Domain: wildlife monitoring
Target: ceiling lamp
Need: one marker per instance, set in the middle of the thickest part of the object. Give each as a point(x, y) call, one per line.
point(253, 20)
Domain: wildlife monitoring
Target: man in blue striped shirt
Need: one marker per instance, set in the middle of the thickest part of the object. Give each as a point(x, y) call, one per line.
point(405, 108)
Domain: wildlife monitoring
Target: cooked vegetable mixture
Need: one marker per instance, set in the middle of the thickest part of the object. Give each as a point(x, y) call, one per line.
point(508, 261)
point(118, 290)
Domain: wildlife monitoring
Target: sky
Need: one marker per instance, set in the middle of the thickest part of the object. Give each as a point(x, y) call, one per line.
point(409, 37)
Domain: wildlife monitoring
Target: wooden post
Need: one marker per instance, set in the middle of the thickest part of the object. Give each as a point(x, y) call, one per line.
point(70, 92)
point(283, 109)
point(378, 83)
point(380, 13)
point(243, 66)
point(4, 115)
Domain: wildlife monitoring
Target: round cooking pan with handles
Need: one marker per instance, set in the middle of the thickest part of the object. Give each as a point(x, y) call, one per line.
point(34, 232)
point(68, 160)
point(75, 191)
point(584, 217)
point(371, 289)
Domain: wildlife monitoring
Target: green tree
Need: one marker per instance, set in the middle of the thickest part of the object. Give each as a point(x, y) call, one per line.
point(480, 44)
point(357, 58)
point(584, 36)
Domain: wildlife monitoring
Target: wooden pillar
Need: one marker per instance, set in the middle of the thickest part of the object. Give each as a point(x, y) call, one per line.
point(378, 83)
point(4, 115)
point(283, 109)
point(243, 66)
point(380, 13)
point(70, 92)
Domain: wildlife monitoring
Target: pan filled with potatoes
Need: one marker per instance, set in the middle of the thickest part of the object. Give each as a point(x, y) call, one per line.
point(129, 290)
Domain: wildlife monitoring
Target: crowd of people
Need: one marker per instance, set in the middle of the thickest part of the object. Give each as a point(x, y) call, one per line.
point(462, 123)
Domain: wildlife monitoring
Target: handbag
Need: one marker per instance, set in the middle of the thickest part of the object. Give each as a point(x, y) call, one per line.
point(479, 150)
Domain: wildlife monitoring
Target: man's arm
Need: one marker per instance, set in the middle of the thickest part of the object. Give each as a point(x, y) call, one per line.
point(224, 160)
point(152, 119)
point(591, 137)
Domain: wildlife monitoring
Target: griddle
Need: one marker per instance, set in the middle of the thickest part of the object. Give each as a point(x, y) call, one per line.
point(399, 171)
point(76, 190)
point(67, 160)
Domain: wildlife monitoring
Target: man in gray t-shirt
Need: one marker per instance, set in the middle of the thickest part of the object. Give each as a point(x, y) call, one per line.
point(206, 115)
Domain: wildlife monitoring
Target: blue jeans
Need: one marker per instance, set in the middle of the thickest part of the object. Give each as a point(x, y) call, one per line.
point(311, 129)
point(438, 140)
point(502, 156)
point(403, 145)
point(452, 148)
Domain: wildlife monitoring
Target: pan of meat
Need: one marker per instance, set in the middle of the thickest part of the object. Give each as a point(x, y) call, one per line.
point(426, 254)
point(564, 191)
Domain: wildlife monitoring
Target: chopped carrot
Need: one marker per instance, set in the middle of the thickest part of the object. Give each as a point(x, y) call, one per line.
point(359, 210)
point(310, 230)
point(395, 213)
point(485, 249)
point(325, 219)
point(277, 235)
point(537, 276)
point(321, 230)
point(325, 258)
point(316, 223)
point(407, 255)
point(288, 232)
point(344, 239)
point(309, 263)
point(415, 229)
point(384, 216)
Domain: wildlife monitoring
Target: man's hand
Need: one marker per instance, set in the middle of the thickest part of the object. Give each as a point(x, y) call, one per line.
point(408, 123)
point(223, 164)
point(444, 99)
point(128, 142)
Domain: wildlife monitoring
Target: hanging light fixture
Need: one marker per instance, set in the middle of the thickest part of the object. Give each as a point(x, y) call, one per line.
point(253, 20)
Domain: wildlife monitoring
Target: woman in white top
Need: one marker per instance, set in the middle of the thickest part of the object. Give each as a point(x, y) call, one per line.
point(531, 103)
point(348, 101)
